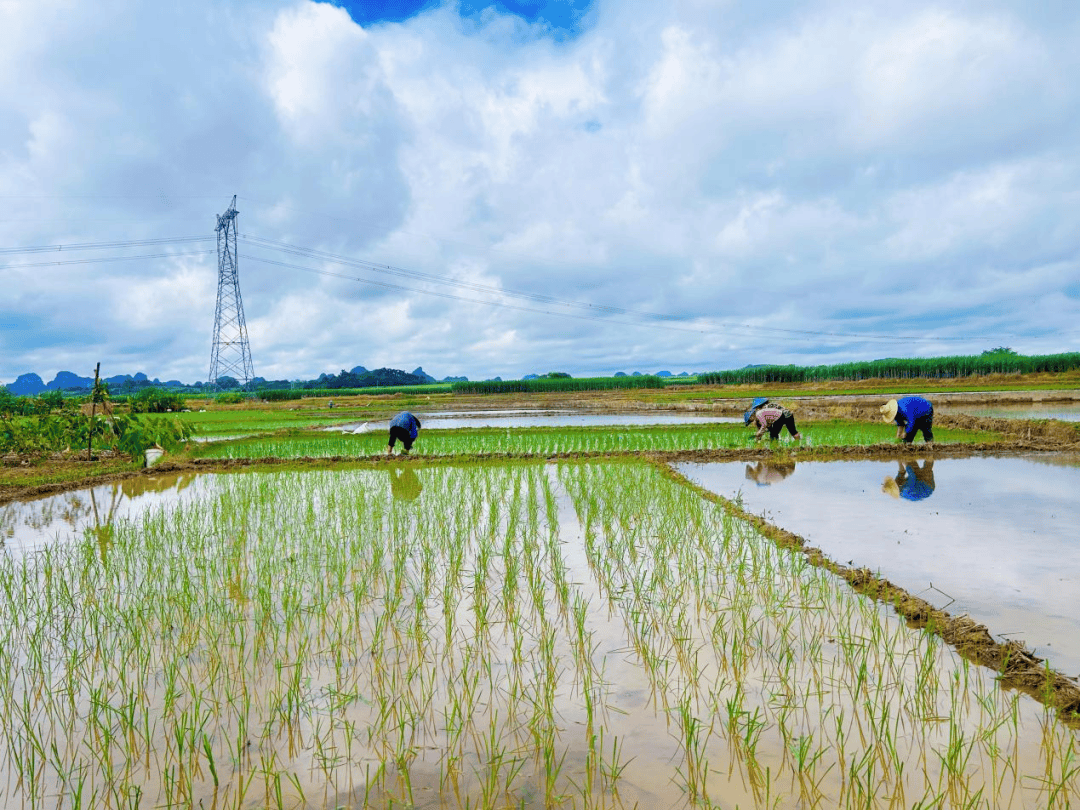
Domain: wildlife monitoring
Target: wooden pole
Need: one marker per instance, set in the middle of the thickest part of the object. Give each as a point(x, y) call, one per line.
point(93, 411)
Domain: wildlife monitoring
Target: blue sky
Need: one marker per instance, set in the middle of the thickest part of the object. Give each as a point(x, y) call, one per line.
point(560, 19)
point(506, 189)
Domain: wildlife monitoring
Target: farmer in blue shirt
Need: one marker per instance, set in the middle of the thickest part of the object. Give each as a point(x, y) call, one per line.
point(911, 415)
point(405, 427)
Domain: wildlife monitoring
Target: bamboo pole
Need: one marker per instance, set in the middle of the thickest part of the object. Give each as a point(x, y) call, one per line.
point(93, 410)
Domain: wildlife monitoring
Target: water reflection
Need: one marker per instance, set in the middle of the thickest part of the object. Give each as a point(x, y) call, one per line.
point(404, 485)
point(767, 473)
point(28, 524)
point(913, 481)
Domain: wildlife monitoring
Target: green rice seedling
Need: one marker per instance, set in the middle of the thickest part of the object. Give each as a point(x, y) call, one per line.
point(292, 637)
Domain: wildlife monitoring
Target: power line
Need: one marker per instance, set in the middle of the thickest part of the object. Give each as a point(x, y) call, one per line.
point(104, 245)
point(597, 311)
point(437, 279)
point(109, 259)
point(504, 305)
point(541, 298)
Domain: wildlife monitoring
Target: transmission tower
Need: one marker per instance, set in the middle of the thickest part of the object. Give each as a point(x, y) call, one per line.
point(230, 355)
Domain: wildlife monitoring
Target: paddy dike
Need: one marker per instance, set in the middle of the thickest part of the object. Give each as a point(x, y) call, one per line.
point(1021, 437)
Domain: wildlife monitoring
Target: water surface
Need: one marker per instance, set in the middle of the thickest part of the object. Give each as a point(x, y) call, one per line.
point(996, 538)
point(1063, 411)
point(525, 419)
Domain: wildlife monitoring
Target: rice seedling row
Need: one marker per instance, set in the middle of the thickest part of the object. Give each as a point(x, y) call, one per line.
point(551, 441)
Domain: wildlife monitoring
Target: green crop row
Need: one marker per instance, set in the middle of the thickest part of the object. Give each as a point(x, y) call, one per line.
point(900, 368)
point(545, 441)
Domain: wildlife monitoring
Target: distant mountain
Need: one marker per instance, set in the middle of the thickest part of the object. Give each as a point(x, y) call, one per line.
point(27, 385)
point(620, 373)
point(358, 370)
point(423, 375)
point(663, 374)
point(455, 379)
point(67, 380)
point(531, 377)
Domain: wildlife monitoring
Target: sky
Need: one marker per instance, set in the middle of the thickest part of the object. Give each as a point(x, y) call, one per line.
point(533, 186)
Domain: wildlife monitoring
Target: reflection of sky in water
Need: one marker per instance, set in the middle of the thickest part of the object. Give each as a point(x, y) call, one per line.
point(496, 420)
point(1001, 536)
point(29, 525)
point(1064, 411)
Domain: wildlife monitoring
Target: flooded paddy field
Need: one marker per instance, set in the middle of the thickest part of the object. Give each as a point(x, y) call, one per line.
point(520, 635)
point(1064, 411)
point(526, 419)
point(992, 537)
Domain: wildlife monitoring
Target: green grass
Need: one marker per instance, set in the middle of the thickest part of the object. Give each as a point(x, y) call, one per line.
point(544, 441)
point(238, 422)
point(42, 472)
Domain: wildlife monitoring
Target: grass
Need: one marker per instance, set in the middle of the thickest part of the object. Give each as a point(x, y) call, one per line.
point(524, 635)
point(43, 471)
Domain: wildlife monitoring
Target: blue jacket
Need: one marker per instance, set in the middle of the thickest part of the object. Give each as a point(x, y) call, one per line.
point(406, 421)
point(909, 409)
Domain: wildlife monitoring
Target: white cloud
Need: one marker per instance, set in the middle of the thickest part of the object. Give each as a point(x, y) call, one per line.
point(790, 170)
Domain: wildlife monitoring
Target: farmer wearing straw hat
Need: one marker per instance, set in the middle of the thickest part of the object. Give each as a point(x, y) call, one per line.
point(911, 415)
point(405, 427)
point(771, 417)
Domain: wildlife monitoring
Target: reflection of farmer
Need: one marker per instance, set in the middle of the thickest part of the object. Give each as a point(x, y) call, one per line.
point(766, 473)
point(911, 415)
point(771, 417)
point(405, 427)
point(913, 482)
point(404, 485)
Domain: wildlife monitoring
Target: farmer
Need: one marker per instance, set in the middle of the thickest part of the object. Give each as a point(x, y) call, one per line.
point(911, 415)
point(404, 426)
point(913, 482)
point(771, 417)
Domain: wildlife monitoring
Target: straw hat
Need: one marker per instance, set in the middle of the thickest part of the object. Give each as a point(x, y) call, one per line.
point(890, 487)
point(746, 417)
point(758, 402)
point(888, 411)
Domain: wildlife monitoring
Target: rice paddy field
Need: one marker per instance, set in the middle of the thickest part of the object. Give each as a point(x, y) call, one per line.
point(452, 632)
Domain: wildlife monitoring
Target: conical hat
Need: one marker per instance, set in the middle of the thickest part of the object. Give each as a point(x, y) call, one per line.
point(888, 411)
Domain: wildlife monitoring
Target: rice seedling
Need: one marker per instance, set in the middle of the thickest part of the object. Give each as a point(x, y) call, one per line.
point(547, 442)
point(582, 635)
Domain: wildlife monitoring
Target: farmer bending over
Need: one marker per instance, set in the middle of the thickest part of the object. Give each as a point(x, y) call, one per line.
point(404, 426)
point(911, 415)
point(773, 418)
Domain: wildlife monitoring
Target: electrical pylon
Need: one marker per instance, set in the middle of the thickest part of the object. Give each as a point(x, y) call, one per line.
point(230, 355)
